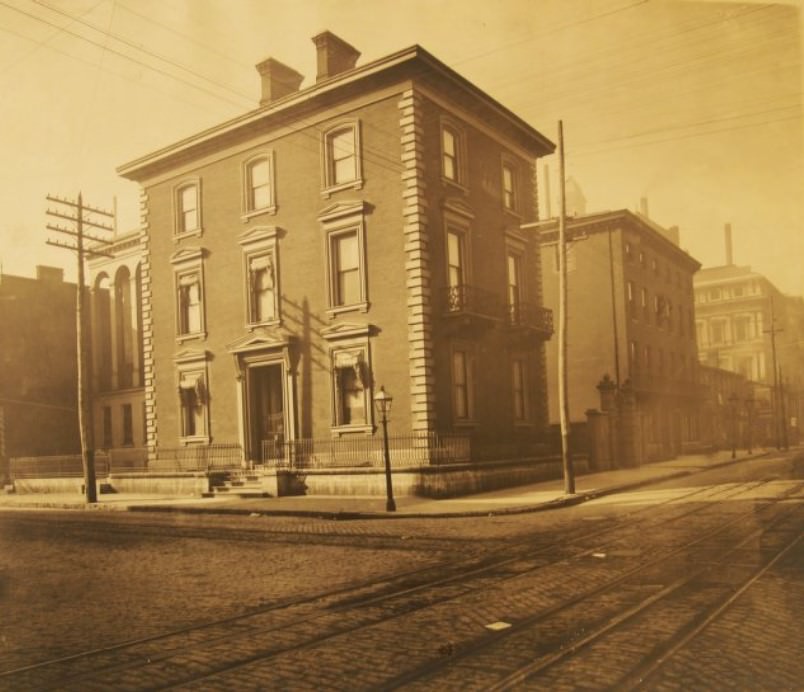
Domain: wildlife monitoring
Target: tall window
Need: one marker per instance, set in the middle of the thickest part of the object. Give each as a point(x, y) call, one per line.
point(189, 299)
point(633, 354)
point(718, 331)
point(509, 187)
point(259, 191)
point(455, 270)
point(742, 328)
point(188, 217)
point(107, 427)
point(631, 294)
point(449, 150)
point(461, 386)
point(518, 376)
point(262, 291)
point(514, 288)
point(643, 300)
point(192, 400)
point(128, 425)
point(351, 397)
point(342, 156)
point(345, 260)
point(350, 375)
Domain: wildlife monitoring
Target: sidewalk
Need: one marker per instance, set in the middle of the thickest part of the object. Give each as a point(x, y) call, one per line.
point(528, 498)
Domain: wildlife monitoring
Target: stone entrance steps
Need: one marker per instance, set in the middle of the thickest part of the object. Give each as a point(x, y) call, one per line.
point(236, 484)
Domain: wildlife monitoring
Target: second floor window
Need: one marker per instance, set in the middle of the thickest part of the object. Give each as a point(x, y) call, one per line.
point(514, 288)
point(262, 289)
point(455, 251)
point(345, 258)
point(188, 216)
point(189, 304)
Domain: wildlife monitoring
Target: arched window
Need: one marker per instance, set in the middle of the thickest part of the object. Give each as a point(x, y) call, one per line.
point(102, 344)
point(124, 328)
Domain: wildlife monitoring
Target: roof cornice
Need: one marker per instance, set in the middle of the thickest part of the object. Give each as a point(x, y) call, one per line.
point(136, 169)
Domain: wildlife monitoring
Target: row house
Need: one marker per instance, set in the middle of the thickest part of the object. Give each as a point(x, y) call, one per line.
point(363, 231)
point(631, 317)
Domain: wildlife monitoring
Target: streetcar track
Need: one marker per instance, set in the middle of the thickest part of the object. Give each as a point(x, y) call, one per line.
point(529, 671)
point(732, 489)
point(624, 525)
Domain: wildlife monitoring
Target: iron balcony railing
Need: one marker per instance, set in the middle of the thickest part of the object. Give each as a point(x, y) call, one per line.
point(467, 299)
point(528, 315)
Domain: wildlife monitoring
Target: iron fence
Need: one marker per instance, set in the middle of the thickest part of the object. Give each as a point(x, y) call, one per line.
point(56, 466)
point(365, 452)
point(199, 458)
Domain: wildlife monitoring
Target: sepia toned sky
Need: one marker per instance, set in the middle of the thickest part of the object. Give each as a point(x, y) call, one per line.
point(695, 106)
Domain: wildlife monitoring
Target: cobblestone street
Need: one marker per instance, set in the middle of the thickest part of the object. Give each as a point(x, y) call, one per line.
point(692, 584)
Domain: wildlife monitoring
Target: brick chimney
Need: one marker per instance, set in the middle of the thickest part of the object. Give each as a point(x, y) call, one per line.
point(49, 275)
point(729, 252)
point(334, 55)
point(278, 80)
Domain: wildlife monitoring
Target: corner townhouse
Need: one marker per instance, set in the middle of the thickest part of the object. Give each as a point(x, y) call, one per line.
point(364, 231)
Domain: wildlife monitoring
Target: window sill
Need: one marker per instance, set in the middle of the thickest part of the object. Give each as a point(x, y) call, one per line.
point(340, 430)
point(454, 183)
point(334, 312)
point(251, 326)
point(246, 216)
point(197, 233)
point(327, 192)
point(464, 423)
point(200, 336)
point(194, 440)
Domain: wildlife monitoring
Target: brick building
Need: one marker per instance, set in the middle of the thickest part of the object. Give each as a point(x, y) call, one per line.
point(38, 386)
point(735, 310)
point(630, 308)
point(362, 231)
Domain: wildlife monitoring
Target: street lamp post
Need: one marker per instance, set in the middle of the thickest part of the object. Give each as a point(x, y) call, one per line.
point(382, 400)
point(733, 403)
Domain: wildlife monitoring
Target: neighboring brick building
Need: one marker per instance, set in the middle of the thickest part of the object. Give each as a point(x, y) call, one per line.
point(38, 385)
point(363, 231)
point(630, 315)
point(117, 348)
point(735, 310)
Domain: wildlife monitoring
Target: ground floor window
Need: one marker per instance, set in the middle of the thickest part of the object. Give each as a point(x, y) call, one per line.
point(193, 405)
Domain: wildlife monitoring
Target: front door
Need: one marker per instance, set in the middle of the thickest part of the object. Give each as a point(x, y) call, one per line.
point(266, 413)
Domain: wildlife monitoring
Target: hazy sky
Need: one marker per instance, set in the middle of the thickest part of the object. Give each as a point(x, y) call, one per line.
point(694, 105)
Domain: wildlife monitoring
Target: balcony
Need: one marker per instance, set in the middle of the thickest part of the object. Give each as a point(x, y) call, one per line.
point(531, 317)
point(469, 308)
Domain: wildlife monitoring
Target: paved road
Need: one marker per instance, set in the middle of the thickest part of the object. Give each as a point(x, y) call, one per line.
point(693, 584)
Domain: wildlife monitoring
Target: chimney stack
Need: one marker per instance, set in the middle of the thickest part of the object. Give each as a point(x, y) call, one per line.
point(729, 254)
point(278, 80)
point(334, 55)
point(674, 235)
point(643, 207)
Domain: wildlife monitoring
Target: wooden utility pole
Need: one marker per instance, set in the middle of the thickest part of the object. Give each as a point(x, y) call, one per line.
point(563, 402)
point(783, 410)
point(75, 213)
point(775, 398)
